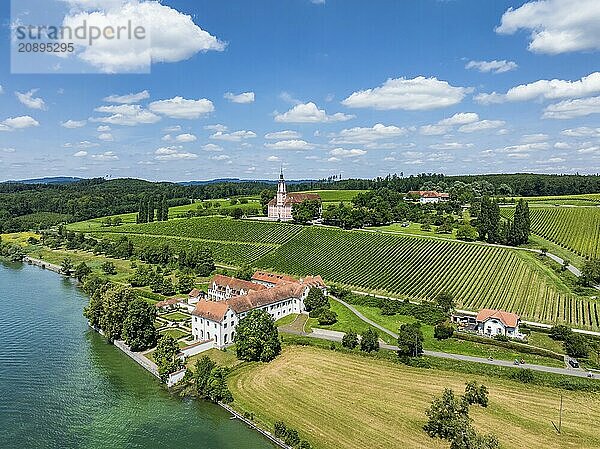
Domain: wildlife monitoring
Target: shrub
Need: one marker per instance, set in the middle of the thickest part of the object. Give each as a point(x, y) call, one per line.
point(350, 340)
point(476, 394)
point(443, 331)
point(523, 375)
point(369, 341)
point(501, 337)
point(560, 332)
point(327, 317)
point(291, 437)
point(280, 429)
point(576, 345)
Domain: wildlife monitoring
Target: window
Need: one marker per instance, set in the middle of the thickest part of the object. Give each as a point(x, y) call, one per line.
point(225, 338)
point(215, 325)
point(224, 325)
point(232, 323)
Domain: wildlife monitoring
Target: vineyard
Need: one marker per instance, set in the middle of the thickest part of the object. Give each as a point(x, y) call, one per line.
point(574, 228)
point(215, 228)
point(230, 253)
point(478, 276)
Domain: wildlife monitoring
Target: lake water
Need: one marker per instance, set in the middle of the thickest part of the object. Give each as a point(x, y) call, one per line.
point(63, 386)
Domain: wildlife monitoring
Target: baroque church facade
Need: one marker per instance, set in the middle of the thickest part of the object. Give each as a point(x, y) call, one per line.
point(280, 207)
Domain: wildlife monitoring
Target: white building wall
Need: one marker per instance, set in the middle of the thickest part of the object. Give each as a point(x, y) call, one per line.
point(493, 327)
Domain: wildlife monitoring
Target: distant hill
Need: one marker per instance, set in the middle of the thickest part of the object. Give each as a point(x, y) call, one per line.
point(50, 180)
point(237, 180)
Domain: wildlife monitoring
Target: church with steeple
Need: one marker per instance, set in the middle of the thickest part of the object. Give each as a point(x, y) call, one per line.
point(280, 207)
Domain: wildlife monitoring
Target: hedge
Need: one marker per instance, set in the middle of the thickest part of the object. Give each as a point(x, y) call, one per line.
point(520, 347)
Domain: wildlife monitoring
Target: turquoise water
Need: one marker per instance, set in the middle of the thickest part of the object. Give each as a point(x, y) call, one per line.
point(62, 386)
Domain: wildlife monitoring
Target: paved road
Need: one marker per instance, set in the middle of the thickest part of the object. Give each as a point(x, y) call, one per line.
point(337, 337)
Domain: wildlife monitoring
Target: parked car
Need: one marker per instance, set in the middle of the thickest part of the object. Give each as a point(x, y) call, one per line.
point(574, 363)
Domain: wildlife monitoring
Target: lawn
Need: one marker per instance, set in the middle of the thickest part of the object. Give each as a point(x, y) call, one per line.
point(175, 333)
point(286, 320)
point(221, 358)
point(347, 320)
point(451, 345)
point(347, 401)
point(413, 229)
point(176, 316)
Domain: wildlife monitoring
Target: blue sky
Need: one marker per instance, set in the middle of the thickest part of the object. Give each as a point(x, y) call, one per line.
point(358, 87)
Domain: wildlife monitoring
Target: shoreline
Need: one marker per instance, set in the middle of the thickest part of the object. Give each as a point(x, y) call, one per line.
point(151, 367)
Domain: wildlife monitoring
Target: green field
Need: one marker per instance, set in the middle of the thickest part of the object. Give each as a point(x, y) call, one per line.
point(335, 196)
point(335, 401)
point(576, 229)
point(479, 276)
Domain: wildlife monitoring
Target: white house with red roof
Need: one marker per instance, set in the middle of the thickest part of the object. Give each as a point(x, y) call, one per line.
point(429, 196)
point(215, 319)
point(498, 322)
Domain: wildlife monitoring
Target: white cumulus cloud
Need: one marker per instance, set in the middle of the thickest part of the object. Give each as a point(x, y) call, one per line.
point(360, 135)
point(494, 66)
point(419, 93)
point(72, 124)
point(573, 108)
point(556, 26)
point(310, 113)
point(21, 122)
point(30, 101)
point(481, 125)
point(236, 136)
point(246, 97)
point(129, 98)
point(277, 135)
point(290, 145)
point(173, 153)
point(342, 152)
point(182, 108)
point(125, 115)
point(170, 36)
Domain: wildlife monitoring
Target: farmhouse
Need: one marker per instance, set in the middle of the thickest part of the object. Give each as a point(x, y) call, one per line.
point(216, 319)
point(498, 322)
point(280, 207)
point(429, 196)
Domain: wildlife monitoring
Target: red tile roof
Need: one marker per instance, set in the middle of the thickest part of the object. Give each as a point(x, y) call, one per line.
point(429, 194)
point(272, 278)
point(194, 293)
point(212, 310)
point(256, 299)
point(313, 281)
point(507, 318)
point(296, 198)
point(236, 284)
point(169, 302)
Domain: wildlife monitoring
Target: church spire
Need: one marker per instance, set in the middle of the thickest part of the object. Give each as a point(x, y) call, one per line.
point(281, 189)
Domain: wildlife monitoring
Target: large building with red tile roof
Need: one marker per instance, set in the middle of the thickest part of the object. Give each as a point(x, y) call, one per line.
point(215, 318)
point(280, 207)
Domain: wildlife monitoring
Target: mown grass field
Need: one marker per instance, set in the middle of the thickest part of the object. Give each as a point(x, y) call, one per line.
point(335, 196)
point(346, 401)
point(576, 229)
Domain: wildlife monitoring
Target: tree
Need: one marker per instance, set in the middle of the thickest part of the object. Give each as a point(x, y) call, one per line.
point(257, 338)
point(203, 368)
point(476, 394)
point(115, 302)
point(306, 211)
point(410, 339)
point(560, 332)
point(369, 341)
point(185, 283)
point(167, 287)
point(291, 437)
point(151, 209)
point(237, 213)
point(327, 317)
point(467, 233)
point(445, 302)
point(519, 231)
point(165, 356)
point(138, 328)
point(443, 331)
point(164, 207)
point(447, 416)
point(95, 308)
point(109, 268)
point(266, 196)
point(590, 272)
point(216, 388)
point(280, 429)
point(245, 272)
point(488, 220)
point(350, 340)
point(66, 266)
point(81, 271)
point(142, 216)
point(315, 300)
point(576, 345)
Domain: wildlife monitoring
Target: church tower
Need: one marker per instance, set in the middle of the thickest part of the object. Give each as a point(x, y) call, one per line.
point(281, 190)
